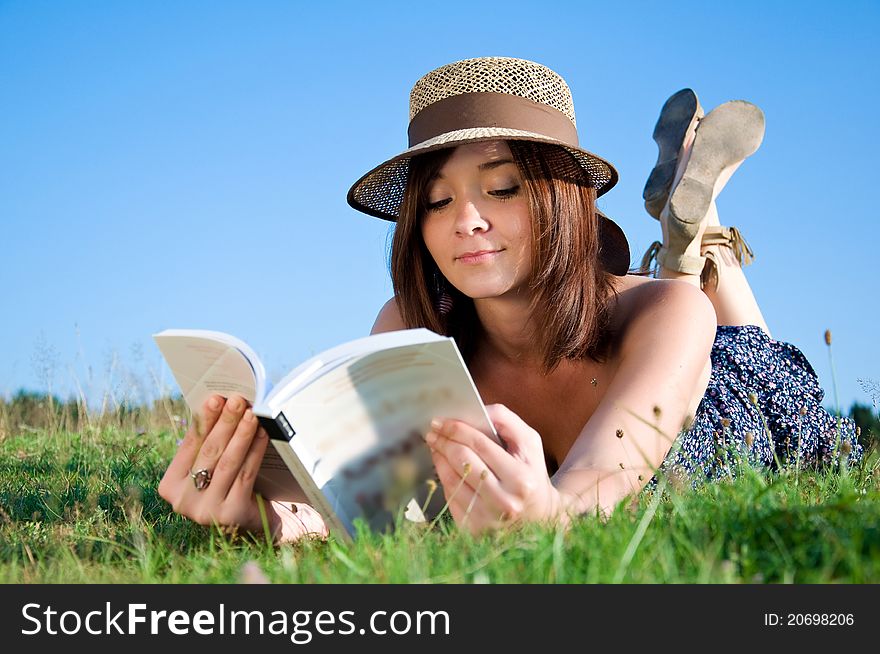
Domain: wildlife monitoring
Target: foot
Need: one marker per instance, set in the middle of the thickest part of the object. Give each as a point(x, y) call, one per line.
point(678, 118)
point(724, 138)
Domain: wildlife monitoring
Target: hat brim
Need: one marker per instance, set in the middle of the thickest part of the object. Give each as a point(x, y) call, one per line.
point(613, 246)
point(380, 192)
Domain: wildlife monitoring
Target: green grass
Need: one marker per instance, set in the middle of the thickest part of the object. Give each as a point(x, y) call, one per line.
point(82, 507)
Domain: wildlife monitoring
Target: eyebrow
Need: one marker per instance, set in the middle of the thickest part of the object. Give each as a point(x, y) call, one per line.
point(489, 165)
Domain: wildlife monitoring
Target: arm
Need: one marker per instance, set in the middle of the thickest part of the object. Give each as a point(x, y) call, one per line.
point(664, 362)
point(663, 372)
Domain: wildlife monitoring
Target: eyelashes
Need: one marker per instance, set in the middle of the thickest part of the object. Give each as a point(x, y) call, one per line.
point(434, 206)
point(500, 194)
point(506, 193)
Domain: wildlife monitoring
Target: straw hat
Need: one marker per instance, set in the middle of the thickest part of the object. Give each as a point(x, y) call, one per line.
point(487, 99)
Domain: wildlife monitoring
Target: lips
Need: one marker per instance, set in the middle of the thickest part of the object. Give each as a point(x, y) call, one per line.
point(478, 256)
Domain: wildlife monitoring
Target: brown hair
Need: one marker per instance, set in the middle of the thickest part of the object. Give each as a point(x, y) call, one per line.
point(572, 291)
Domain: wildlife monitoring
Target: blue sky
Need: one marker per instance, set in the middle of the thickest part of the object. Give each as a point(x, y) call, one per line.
point(185, 164)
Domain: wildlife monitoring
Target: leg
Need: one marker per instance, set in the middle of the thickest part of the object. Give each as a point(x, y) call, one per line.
point(732, 298)
point(734, 302)
point(693, 249)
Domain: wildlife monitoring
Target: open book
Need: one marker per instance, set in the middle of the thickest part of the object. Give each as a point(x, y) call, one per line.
point(347, 425)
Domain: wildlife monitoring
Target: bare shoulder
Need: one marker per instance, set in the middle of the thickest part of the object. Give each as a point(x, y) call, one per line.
point(664, 310)
point(388, 319)
point(635, 290)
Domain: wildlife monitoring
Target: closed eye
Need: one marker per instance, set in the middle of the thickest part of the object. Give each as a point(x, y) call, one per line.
point(433, 206)
point(501, 194)
point(506, 192)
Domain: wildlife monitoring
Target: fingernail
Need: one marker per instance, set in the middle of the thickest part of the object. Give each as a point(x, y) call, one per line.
point(233, 404)
point(430, 437)
point(214, 403)
point(436, 425)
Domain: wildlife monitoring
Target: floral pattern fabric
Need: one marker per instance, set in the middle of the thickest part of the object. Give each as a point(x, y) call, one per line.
point(764, 402)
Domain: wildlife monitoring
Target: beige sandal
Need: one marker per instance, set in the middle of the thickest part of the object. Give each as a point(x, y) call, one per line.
point(657, 256)
point(732, 238)
point(709, 269)
point(678, 114)
point(724, 138)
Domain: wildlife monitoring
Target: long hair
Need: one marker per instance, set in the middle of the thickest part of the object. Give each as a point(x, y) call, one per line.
point(571, 290)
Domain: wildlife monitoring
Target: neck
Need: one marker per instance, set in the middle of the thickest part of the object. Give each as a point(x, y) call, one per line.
point(508, 331)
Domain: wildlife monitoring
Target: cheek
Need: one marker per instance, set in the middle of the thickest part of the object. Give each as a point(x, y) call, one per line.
point(524, 232)
point(435, 243)
point(430, 239)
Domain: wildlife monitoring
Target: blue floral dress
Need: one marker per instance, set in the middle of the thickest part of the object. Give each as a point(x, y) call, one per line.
point(763, 402)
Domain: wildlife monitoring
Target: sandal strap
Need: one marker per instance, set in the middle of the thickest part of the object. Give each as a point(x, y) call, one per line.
point(649, 260)
point(711, 273)
point(684, 263)
point(732, 238)
point(657, 255)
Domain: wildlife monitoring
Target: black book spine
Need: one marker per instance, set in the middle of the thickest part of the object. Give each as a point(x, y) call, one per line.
point(279, 428)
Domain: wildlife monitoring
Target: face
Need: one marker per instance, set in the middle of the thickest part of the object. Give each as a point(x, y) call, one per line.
point(477, 226)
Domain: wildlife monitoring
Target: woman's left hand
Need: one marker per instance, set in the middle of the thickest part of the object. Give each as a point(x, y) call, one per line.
point(486, 486)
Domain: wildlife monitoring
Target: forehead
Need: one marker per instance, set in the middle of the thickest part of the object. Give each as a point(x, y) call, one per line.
point(474, 154)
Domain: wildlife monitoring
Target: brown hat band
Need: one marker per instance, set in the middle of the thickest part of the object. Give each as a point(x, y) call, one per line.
point(468, 110)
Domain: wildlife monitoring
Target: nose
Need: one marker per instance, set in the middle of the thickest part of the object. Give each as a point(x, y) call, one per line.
point(468, 219)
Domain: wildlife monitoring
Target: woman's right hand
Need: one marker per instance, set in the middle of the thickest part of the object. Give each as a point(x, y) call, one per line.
point(228, 442)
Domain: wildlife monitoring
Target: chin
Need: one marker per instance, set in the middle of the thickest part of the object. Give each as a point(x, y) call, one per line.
point(484, 291)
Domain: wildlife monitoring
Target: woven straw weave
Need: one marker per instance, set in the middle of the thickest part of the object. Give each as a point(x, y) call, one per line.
point(493, 75)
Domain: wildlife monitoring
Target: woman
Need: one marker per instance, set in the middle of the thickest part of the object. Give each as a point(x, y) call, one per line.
point(589, 373)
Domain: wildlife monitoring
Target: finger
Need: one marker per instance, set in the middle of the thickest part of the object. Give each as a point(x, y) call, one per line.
point(468, 507)
point(458, 494)
point(243, 484)
point(500, 462)
point(182, 463)
point(499, 504)
point(517, 434)
point(466, 461)
point(217, 439)
point(229, 464)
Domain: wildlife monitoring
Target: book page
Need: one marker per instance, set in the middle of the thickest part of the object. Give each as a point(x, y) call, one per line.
point(275, 481)
point(327, 360)
point(359, 427)
point(205, 362)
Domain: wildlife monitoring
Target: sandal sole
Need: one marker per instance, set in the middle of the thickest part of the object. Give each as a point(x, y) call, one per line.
point(726, 136)
point(676, 115)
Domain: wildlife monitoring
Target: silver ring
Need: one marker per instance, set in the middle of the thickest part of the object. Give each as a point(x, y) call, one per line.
point(201, 478)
